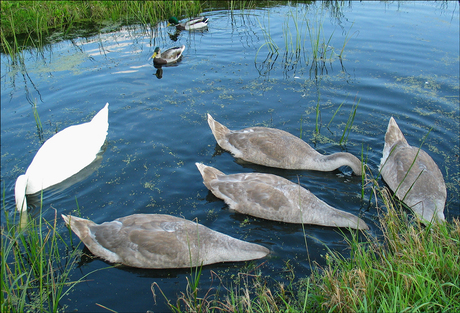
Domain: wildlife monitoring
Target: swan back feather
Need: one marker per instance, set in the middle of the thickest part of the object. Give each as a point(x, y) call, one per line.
point(420, 183)
point(275, 198)
point(63, 155)
point(278, 148)
point(161, 241)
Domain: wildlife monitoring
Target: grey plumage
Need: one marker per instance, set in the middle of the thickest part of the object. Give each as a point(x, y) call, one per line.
point(161, 241)
point(275, 198)
point(277, 148)
point(423, 188)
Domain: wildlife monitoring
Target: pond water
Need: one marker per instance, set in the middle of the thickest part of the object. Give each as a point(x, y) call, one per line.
point(400, 59)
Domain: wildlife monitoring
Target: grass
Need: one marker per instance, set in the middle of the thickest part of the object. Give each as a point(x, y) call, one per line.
point(272, 46)
point(34, 270)
point(407, 267)
point(26, 23)
point(410, 268)
point(348, 126)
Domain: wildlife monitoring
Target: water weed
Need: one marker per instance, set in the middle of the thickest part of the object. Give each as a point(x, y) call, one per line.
point(348, 126)
point(38, 122)
point(272, 46)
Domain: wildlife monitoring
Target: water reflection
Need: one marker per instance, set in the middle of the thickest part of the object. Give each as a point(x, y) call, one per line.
point(175, 36)
point(159, 67)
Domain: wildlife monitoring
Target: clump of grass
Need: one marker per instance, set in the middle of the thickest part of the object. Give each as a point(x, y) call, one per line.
point(37, 19)
point(34, 271)
point(410, 268)
point(190, 300)
point(319, 45)
point(272, 46)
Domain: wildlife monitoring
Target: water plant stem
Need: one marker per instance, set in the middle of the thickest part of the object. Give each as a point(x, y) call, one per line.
point(348, 126)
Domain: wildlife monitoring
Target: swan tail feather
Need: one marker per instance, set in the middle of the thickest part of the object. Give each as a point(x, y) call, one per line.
point(218, 130)
point(208, 173)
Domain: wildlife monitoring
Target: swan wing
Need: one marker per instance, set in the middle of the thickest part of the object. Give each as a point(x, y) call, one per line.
point(255, 194)
point(418, 183)
point(164, 241)
point(271, 147)
point(67, 152)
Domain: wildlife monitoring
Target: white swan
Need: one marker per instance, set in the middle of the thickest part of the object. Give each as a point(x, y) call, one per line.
point(63, 155)
point(277, 148)
point(423, 189)
point(275, 198)
point(161, 241)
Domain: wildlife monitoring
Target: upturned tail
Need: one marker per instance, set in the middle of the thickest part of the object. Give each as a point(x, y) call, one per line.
point(101, 119)
point(79, 226)
point(218, 130)
point(208, 173)
point(393, 134)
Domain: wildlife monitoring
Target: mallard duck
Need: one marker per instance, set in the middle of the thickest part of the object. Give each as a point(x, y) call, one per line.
point(169, 56)
point(277, 148)
point(194, 23)
point(161, 241)
point(419, 184)
point(63, 155)
point(274, 198)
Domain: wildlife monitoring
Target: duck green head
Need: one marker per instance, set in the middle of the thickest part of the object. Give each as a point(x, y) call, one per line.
point(155, 52)
point(173, 21)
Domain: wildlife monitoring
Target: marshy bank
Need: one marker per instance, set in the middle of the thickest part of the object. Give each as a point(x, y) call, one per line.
point(334, 80)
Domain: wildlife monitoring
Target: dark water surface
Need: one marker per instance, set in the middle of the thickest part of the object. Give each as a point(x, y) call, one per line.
point(401, 59)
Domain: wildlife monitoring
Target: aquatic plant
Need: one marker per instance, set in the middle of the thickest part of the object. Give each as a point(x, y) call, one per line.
point(272, 46)
point(34, 271)
point(348, 126)
point(38, 122)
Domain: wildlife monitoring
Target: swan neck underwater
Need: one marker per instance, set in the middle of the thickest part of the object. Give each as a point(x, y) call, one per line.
point(334, 161)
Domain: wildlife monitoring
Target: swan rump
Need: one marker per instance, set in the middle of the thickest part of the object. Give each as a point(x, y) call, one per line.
point(277, 148)
point(161, 241)
point(63, 155)
point(413, 176)
point(274, 198)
